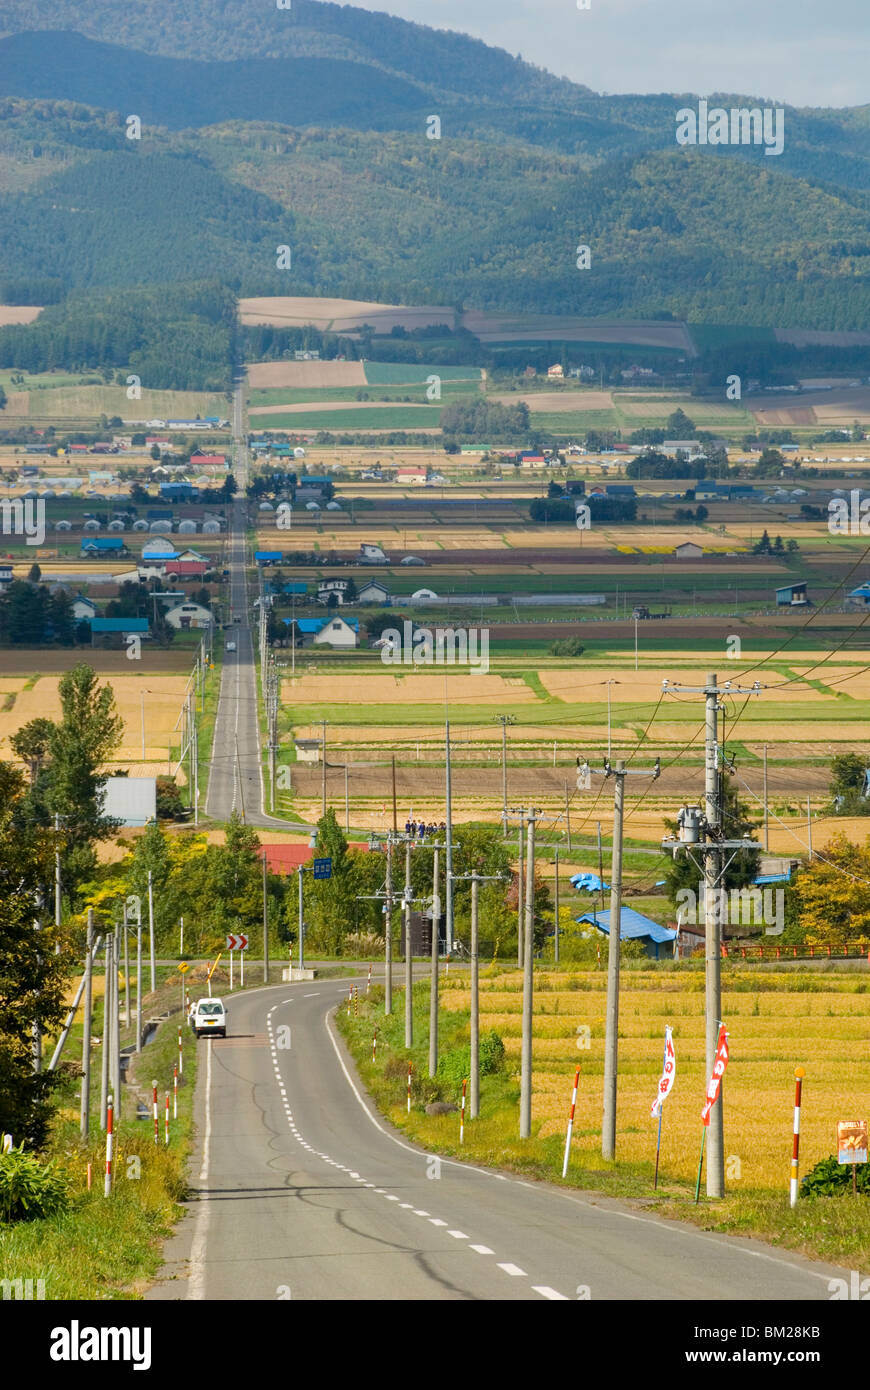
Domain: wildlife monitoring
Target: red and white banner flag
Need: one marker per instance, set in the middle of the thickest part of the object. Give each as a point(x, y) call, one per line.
point(715, 1081)
point(669, 1072)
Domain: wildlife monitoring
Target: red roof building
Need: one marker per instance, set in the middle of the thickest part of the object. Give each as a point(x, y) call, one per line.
point(285, 859)
point(186, 569)
point(208, 460)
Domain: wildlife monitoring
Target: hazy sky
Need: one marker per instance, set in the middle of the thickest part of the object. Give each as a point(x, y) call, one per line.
point(806, 52)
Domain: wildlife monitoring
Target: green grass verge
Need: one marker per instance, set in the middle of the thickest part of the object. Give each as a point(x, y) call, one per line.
point(103, 1248)
point(834, 1228)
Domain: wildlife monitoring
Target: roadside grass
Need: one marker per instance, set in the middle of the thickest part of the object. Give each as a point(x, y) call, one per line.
point(835, 1229)
point(103, 1248)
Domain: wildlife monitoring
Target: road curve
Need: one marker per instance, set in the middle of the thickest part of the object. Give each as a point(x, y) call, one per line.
point(299, 1190)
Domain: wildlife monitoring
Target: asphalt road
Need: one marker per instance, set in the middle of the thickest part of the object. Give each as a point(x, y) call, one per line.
point(236, 775)
point(300, 1191)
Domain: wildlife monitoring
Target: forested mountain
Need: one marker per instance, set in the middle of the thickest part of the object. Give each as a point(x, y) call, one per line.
point(306, 128)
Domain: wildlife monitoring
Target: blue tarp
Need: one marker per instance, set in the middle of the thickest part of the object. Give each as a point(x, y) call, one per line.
point(587, 883)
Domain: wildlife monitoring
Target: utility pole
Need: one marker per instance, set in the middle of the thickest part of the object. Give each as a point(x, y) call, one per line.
point(409, 960)
point(520, 894)
point(151, 930)
point(504, 720)
point(388, 961)
point(265, 926)
point(107, 1030)
point(126, 970)
point(532, 817)
point(58, 883)
point(85, 1110)
point(387, 898)
point(476, 880)
point(139, 983)
point(707, 833)
point(449, 838)
point(556, 912)
point(395, 821)
point(433, 985)
point(116, 1025)
point(766, 826)
point(346, 802)
point(568, 817)
point(611, 1044)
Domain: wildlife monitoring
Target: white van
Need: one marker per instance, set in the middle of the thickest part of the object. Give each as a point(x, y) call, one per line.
point(209, 1016)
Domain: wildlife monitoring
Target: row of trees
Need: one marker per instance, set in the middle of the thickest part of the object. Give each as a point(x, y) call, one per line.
point(219, 888)
point(63, 759)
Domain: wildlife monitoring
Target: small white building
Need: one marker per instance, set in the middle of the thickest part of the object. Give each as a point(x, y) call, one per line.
point(374, 592)
point(189, 615)
point(688, 550)
point(337, 633)
point(327, 587)
point(83, 608)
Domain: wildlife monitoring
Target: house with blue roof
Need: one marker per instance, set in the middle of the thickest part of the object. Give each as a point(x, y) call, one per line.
point(106, 629)
point(633, 926)
point(268, 557)
point(326, 632)
point(103, 545)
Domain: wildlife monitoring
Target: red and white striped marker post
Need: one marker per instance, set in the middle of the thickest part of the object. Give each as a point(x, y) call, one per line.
point(175, 1093)
point(462, 1113)
point(369, 980)
point(409, 1088)
point(166, 1121)
point(570, 1124)
point(154, 1110)
point(110, 1137)
point(796, 1137)
point(180, 1055)
point(355, 1002)
point(90, 1175)
point(374, 1044)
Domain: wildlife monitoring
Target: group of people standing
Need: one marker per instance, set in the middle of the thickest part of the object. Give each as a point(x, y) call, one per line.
point(419, 830)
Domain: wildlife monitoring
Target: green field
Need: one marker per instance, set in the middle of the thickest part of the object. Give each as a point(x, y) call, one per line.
point(407, 373)
point(314, 396)
point(73, 401)
point(716, 335)
point(386, 418)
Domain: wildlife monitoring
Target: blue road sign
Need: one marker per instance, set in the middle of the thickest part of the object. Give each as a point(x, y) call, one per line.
point(323, 868)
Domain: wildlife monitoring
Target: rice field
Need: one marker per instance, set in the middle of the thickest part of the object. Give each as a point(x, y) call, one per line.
point(163, 699)
point(820, 1021)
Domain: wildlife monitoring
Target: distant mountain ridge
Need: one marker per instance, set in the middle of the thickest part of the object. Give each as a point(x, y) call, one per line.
point(307, 128)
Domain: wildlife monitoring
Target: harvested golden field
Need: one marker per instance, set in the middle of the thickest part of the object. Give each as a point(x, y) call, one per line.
point(540, 402)
point(776, 1021)
point(339, 314)
point(19, 313)
point(359, 688)
point(164, 695)
point(266, 375)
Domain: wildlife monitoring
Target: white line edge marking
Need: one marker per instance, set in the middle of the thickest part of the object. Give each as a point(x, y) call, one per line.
point(196, 1282)
point(678, 1229)
point(546, 1292)
point(481, 1249)
point(514, 1271)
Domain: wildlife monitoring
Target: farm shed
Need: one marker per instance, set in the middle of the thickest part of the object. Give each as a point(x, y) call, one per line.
point(792, 596)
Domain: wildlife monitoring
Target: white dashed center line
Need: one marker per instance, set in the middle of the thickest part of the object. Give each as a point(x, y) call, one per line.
point(513, 1270)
